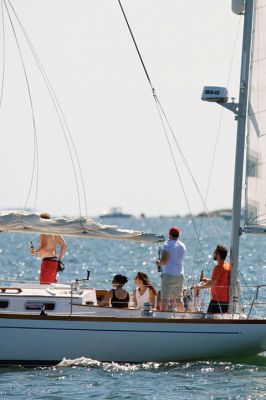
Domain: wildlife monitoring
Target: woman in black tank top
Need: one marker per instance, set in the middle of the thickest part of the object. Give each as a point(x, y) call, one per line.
point(119, 302)
point(118, 297)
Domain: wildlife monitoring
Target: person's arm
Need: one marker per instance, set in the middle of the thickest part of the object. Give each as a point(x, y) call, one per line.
point(152, 298)
point(205, 283)
point(158, 305)
point(107, 298)
point(41, 246)
point(135, 298)
point(63, 246)
point(208, 283)
point(164, 258)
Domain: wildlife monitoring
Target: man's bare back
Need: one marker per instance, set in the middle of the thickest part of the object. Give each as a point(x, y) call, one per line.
point(48, 244)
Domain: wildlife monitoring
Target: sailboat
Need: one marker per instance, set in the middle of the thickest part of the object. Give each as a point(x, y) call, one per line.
point(44, 324)
point(115, 212)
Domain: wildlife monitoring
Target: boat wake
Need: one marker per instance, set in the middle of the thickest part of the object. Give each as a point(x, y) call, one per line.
point(259, 360)
point(114, 366)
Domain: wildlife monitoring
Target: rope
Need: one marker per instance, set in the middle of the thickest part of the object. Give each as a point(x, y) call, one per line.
point(178, 174)
point(162, 113)
point(220, 120)
point(35, 156)
point(186, 165)
point(60, 115)
point(136, 46)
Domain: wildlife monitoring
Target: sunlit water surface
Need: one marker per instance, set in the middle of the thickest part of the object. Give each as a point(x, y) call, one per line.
point(92, 379)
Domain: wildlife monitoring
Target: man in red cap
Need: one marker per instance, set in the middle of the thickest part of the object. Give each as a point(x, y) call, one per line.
point(173, 253)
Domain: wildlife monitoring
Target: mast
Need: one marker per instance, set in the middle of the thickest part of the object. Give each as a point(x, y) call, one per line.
point(220, 96)
point(241, 117)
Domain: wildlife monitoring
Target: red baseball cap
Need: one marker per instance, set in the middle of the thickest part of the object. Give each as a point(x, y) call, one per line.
point(174, 231)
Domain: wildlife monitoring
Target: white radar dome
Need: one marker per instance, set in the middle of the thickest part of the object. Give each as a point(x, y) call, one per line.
point(215, 93)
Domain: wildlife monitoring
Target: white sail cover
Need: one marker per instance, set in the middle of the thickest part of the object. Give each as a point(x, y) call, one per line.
point(255, 210)
point(22, 221)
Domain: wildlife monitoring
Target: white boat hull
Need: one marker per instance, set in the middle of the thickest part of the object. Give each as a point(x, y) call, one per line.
point(37, 340)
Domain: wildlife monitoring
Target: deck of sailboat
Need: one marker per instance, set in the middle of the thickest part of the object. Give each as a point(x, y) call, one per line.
point(68, 301)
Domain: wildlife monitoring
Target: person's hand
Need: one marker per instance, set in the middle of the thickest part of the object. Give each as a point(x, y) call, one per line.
point(198, 286)
point(157, 263)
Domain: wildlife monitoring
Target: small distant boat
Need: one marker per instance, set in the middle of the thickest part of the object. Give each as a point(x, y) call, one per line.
point(226, 214)
point(115, 212)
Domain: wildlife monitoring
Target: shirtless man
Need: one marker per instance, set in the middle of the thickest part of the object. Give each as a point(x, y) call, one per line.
point(47, 252)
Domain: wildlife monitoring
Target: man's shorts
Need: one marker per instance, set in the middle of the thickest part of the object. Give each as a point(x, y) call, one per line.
point(48, 271)
point(217, 307)
point(172, 285)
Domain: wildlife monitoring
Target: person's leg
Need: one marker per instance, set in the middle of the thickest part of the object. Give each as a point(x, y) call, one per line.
point(216, 307)
point(224, 307)
point(48, 272)
point(165, 292)
point(213, 307)
point(179, 293)
point(158, 303)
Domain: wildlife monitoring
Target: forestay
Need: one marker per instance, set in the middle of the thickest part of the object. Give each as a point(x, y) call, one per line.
point(255, 212)
point(22, 221)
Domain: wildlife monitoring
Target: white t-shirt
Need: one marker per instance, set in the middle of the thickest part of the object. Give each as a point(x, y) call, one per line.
point(141, 299)
point(176, 251)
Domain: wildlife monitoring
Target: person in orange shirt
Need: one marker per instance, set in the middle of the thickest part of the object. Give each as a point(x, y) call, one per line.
point(219, 282)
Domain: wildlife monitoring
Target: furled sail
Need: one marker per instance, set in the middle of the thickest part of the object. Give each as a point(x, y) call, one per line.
point(22, 221)
point(255, 210)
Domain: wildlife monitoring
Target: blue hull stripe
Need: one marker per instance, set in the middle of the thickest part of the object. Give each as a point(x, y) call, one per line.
point(120, 330)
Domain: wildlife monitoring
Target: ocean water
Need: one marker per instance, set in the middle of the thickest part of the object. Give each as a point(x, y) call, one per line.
point(91, 379)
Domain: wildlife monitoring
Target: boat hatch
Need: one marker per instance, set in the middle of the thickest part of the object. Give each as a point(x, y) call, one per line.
point(10, 290)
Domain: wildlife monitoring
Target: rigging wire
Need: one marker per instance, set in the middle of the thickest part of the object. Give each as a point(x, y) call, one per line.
point(159, 106)
point(222, 111)
point(163, 114)
point(136, 46)
point(60, 114)
point(4, 54)
point(35, 155)
point(176, 168)
point(220, 124)
point(185, 162)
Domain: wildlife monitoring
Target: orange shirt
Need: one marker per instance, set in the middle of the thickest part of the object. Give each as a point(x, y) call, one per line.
point(220, 290)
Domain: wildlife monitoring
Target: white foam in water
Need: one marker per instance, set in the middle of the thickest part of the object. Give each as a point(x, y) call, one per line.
point(88, 362)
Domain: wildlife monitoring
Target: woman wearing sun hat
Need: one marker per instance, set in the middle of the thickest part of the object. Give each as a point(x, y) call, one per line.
point(173, 252)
